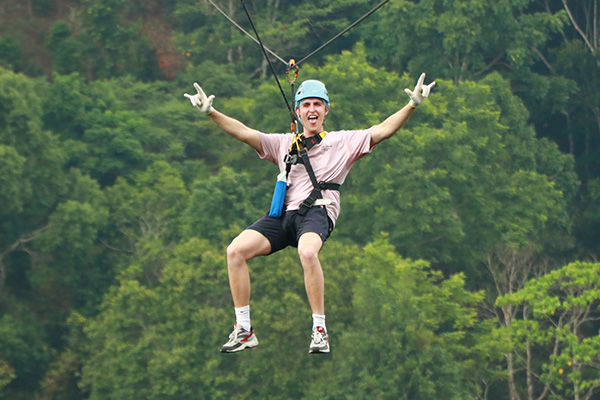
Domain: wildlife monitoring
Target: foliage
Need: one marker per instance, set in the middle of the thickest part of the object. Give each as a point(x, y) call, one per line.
point(66, 49)
point(10, 53)
point(23, 353)
point(559, 328)
point(118, 199)
point(459, 40)
point(169, 330)
point(158, 338)
point(588, 218)
point(473, 177)
point(414, 335)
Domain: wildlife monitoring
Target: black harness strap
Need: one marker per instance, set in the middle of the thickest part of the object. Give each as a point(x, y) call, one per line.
point(302, 158)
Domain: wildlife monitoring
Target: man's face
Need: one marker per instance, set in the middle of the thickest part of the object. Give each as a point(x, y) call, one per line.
point(312, 112)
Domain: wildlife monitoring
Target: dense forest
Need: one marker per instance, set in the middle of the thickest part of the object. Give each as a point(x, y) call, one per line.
point(464, 264)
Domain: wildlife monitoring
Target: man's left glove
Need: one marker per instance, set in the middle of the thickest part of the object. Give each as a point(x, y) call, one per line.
point(200, 101)
point(420, 93)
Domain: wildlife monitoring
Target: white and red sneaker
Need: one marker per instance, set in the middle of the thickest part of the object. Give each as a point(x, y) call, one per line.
point(239, 340)
point(320, 341)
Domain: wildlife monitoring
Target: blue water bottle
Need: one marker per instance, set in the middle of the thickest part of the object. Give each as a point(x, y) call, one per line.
point(278, 196)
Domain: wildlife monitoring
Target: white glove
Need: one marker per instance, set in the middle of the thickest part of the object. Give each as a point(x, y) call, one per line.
point(420, 93)
point(200, 101)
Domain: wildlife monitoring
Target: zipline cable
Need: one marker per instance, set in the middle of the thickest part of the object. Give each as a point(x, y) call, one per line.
point(344, 31)
point(244, 31)
point(292, 114)
point(292, 63)
point(377, 7)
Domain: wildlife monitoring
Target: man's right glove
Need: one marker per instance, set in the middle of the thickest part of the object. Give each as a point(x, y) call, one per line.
point(200, 101)
point(420, 93)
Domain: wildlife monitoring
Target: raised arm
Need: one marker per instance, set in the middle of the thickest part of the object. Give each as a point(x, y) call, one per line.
point(394, 122)
point(230, 125)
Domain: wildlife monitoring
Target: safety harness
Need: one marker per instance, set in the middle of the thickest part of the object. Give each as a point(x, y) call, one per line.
point(298, 154)
point(299, 148)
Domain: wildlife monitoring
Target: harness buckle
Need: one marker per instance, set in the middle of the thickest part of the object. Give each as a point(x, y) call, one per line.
point(291, 159)
point(309, 201)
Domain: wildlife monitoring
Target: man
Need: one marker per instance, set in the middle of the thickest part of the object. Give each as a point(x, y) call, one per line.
point(307, 221)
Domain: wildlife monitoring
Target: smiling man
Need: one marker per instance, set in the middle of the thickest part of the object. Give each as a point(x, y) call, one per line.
point(316, 164)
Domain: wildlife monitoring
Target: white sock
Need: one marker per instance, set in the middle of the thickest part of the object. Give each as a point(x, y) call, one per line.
point(242, 317)
point(319, 320)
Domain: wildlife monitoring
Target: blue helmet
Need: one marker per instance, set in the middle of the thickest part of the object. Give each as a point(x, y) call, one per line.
point(311, 88)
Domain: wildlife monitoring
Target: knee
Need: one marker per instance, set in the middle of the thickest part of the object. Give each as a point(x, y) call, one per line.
point(235, 253)
point(247, 245)
point(308, 257)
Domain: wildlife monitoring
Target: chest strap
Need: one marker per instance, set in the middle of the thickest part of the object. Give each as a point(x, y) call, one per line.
point(302, 158)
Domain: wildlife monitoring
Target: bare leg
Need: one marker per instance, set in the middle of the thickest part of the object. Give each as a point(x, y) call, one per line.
point(244, 247)
point(309, 246)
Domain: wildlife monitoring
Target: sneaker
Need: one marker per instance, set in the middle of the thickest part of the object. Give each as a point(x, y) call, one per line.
point(239, 340)
point(320, 341)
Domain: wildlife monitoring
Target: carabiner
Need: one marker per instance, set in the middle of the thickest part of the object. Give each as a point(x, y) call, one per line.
point(292, 65)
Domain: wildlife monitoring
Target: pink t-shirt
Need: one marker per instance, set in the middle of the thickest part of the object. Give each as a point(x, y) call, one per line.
point(331, 160)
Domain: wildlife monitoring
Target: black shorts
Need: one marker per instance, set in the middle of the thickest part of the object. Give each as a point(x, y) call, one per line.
point(287, 229)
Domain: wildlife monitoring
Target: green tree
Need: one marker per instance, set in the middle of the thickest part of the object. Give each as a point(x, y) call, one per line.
point(65, 48)
point(227, 191)
point(114, 128)
point(117, 45)
point(23, 352)
point(146, 214)
point(576, 125)
point(10, 53)
point(156, 338)
point(460, 180)
point(556, 339)
point(111, 176)
point(158, 334)
point(50, 260)
point(33, 160)
point(75, 269)
point(290, 30)
point(159, 338)
point(459, 40)
point(433, 344)
point(7, 374)
point(580, 117)
point(588, 219)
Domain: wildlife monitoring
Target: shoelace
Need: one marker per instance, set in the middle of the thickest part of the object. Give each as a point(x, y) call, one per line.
point(233, 334)
point(318, 336)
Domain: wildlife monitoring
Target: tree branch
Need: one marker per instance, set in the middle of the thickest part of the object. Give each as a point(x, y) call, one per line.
point(544, 60)
point(578, 29)
point(23, 239)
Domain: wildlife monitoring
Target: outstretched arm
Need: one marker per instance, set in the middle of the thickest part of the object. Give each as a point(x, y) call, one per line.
point(394, 122)
point(230, 125)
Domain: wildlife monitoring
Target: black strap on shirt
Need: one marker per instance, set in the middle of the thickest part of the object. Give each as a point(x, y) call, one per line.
point(301, 157)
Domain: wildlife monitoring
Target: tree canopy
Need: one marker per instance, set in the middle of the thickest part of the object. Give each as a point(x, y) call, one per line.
point(464, 263)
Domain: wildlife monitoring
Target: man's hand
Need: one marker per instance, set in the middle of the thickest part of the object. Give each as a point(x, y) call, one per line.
point(420, 93)
point(200, 101)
